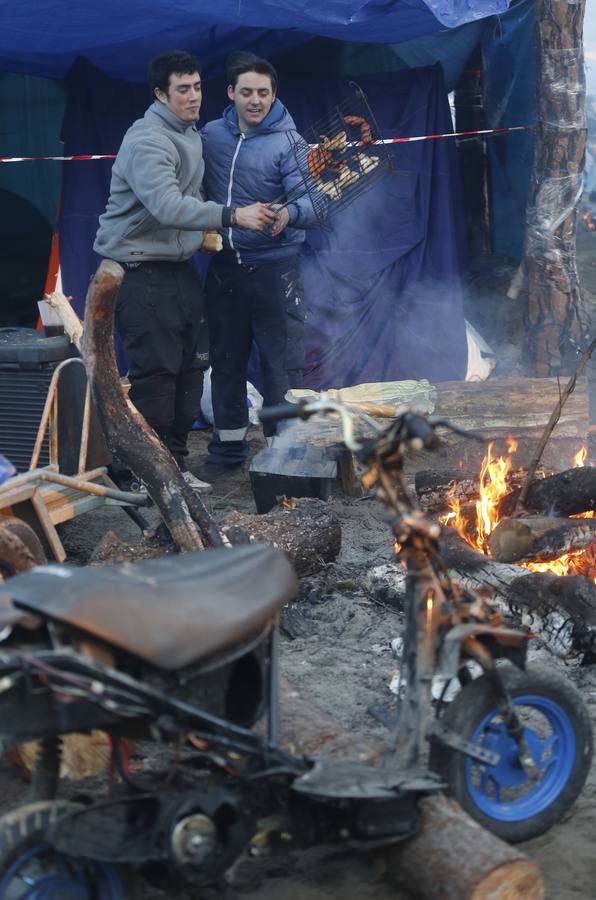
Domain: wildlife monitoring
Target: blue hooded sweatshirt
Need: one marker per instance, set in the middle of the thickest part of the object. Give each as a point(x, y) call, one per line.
point(258, 165)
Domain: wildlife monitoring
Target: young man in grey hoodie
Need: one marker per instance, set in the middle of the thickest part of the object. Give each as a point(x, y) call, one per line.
point(153, 223)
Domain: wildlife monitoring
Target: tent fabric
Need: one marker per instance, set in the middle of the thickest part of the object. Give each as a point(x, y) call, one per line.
point(382, 286)
point(509, 77)
point(122, 38)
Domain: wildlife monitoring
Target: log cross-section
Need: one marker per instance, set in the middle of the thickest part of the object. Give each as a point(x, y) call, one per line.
point(540, 538)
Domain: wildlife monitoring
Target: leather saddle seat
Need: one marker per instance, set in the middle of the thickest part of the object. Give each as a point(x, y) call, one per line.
point(170, 612)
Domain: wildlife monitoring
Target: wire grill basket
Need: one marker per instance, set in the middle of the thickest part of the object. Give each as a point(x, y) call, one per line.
point(339, 157)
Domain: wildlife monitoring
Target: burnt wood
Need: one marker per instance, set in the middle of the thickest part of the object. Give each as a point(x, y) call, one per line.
point(559, 610)
point(306, 530)
point(540, 538)
point(127, 433)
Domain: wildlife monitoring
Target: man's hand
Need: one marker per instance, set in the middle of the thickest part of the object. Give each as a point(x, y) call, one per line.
point(282, 217)
point(256, 217)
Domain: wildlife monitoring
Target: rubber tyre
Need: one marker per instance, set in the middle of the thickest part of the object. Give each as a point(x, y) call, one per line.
point(470, 711)
point(27, 826)
point(20, 548)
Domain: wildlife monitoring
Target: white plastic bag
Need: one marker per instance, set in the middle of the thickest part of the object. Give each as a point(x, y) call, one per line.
point(255, 401)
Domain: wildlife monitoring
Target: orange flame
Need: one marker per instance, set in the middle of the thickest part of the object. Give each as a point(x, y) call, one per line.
point(493, 486)
point(580, 457)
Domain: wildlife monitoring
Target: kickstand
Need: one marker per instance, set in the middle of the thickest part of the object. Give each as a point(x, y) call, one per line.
point(133, 513)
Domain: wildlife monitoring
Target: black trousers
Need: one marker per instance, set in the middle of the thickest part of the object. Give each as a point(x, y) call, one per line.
point(161, 319)
point(246, 303)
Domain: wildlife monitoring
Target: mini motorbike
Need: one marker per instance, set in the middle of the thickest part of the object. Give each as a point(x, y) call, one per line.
point(183, 652)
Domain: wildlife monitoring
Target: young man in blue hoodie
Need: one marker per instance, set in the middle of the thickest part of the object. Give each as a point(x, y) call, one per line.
point(153, 224)
point(254, 286)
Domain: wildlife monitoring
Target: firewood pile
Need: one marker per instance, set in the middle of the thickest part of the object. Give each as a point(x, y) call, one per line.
point(537, 558)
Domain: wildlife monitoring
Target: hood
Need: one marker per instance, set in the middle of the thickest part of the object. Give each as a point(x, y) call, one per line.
point(277, 119)
point(165, 113)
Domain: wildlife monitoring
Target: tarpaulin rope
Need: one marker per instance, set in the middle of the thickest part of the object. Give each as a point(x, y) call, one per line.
point(397, 140)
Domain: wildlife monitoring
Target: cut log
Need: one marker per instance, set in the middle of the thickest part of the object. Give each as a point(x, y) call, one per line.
point(559, 610)
point(127, 433)
point(306, 530)
point(566, 494)
point(540, 538)
point(436, 490)
point(453, 858)
point(509, 406)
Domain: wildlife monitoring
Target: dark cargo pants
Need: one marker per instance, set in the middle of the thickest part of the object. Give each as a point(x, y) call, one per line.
point(161, 320)
point(246, 303)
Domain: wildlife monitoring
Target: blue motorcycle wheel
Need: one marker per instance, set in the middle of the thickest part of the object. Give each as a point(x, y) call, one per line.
point(514, 801)
point(31, 870)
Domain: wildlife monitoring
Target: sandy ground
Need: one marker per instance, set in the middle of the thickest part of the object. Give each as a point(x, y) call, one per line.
point(336, 653)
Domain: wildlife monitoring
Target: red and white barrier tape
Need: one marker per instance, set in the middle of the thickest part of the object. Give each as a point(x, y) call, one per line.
point(452, 134)
point(399, 140)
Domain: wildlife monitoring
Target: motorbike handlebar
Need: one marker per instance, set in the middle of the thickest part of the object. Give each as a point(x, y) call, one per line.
point(283, 411)
point(414, 429)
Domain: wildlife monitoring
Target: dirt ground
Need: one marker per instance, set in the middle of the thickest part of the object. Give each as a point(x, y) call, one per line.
point(336, 653)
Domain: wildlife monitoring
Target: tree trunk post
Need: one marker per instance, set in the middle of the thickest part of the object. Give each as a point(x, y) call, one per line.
point(127, 433)
point(557, 322)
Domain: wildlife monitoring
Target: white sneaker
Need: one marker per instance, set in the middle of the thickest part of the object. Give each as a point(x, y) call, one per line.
point(201, 487)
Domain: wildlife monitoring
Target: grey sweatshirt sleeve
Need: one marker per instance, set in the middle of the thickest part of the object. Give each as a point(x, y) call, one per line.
point(151, 173)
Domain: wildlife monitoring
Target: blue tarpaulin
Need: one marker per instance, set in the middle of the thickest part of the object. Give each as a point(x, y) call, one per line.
point(121, 37)
point(382, 285)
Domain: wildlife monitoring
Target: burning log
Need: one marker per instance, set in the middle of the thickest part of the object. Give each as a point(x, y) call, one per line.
point(437, 490)
point(566, 494)
point(539, 538)
point(559, 610)
point(305, 529)
point(453, 858)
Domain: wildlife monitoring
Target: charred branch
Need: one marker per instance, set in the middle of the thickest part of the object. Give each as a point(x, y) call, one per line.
point(127, 433)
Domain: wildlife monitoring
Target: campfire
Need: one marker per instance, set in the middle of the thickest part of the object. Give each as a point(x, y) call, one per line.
point(588, 221)
point(476, 522)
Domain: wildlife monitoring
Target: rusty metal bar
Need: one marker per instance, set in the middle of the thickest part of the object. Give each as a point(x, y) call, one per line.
point(51, 409)
point(83, 484)
point(85, 430)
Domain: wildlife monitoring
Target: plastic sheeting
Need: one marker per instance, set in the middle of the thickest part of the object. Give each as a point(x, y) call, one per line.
point(120, 38)
point(509, 75)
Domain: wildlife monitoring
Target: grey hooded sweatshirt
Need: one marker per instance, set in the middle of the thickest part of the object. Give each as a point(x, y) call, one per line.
point(156, 209)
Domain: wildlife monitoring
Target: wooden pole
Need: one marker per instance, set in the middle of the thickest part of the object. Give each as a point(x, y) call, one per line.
point(557, 321)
